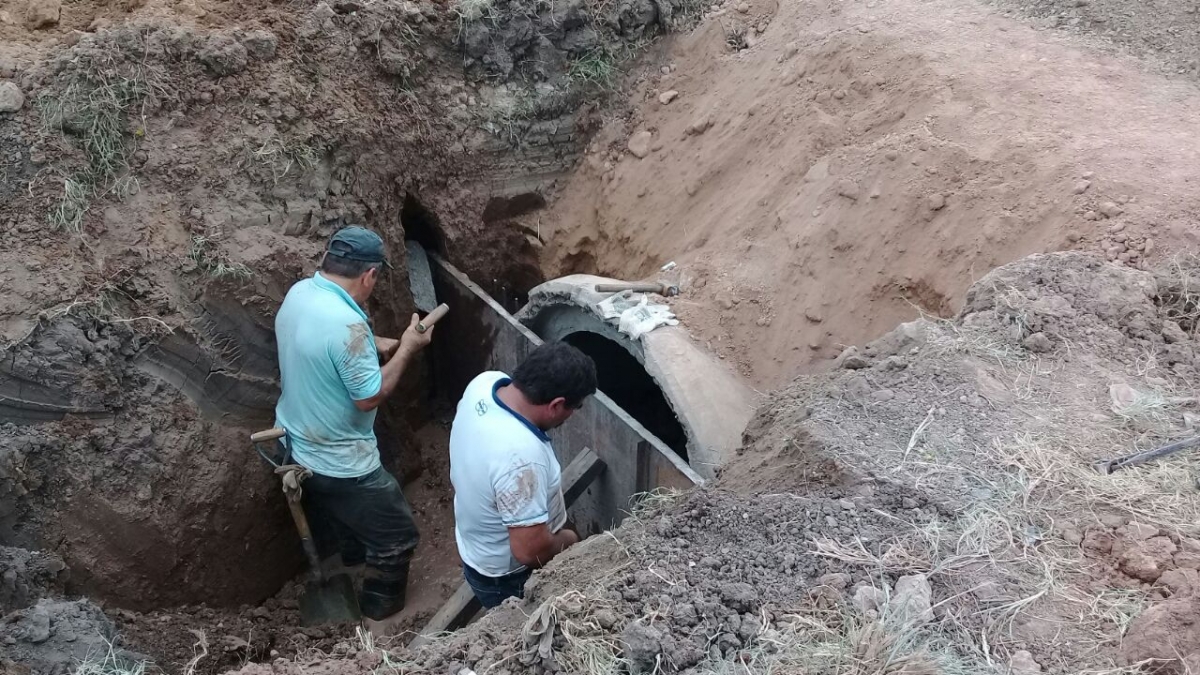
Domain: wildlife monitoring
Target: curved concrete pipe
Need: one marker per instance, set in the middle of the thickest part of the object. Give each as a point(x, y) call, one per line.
point(711, 403)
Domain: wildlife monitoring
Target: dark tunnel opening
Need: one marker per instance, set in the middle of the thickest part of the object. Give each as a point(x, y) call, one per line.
point(627, 383)
point(422, 226)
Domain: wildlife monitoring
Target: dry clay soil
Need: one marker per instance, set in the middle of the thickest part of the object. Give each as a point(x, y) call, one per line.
point(865, 161)
point(927, 508)
point(853, 161)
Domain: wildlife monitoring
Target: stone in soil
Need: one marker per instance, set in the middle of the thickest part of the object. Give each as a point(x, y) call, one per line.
point(851, 359)
point(27, 576)
point(11, 98)
point(639, 144)
point(699, 126)
point(848, 189)
point(912, 601)
point(935, 202)
point(666, 97)
point(54, 636)
point(43, 13)
point(1022, 663)
point(1038, 343)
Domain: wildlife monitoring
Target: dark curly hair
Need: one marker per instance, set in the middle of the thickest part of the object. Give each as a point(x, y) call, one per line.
point(554, 370)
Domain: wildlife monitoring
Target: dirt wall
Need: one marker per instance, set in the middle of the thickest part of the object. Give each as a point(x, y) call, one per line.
point(821, 171)
point(169, 170)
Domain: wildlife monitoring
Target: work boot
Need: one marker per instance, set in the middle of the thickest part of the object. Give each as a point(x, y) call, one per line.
point(381, 598)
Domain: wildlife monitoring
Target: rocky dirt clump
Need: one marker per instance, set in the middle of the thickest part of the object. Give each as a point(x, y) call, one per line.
point(28, 576)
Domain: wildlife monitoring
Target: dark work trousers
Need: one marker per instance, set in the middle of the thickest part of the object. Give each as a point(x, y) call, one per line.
point(491, 591)
point(368, 517)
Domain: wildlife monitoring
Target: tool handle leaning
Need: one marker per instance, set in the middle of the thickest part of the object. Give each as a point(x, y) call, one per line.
point(433, 317)
point(268, 435)
point(306, 540)
point(1109, 466)
point(665, 290)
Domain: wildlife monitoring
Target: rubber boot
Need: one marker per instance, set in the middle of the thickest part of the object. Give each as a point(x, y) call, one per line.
point(383, 597)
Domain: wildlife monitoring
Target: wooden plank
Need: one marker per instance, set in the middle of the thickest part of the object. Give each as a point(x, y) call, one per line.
point(462, 606)
point(579, 474)
point(457, 612)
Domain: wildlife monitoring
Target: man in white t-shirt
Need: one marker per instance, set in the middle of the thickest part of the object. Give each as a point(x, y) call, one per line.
point(508, 504)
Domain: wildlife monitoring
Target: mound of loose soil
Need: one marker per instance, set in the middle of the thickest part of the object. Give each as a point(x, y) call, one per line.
point(861, 163)
point(28, 576)
point(928, 507)
point(55, 636)
point(1158, 32)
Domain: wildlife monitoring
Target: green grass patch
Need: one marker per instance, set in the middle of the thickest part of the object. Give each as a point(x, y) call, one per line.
point(93, 109)
point(597, 67)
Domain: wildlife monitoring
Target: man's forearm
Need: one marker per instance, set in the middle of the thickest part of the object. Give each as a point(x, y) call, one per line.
point(392, 371)
point(559, 542)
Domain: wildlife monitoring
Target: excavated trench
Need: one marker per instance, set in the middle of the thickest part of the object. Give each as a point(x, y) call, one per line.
point(189, 526)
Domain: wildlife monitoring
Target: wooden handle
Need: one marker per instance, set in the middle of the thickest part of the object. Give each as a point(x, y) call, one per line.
point(268, 435)
point(665, 290)
point(433, 317)
point(636, 287)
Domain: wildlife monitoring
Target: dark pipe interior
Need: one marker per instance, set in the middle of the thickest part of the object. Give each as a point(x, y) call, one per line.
point(628, 384)
point(422, 226)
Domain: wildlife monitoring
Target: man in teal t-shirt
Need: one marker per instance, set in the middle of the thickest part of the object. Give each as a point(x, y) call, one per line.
point(332, 380)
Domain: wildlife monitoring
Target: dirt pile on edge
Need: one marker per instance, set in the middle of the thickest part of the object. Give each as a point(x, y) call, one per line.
point(27, 576)
point(56, 636)
point(930, 505)
point(823, 171)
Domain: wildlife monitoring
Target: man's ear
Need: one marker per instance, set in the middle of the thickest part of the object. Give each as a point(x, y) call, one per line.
point(558, 405)
point(371, 274)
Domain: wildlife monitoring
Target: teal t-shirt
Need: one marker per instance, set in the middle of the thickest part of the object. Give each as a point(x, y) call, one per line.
point(327, 360)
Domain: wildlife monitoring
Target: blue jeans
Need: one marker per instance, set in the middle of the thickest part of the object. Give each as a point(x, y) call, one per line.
point(491, 591)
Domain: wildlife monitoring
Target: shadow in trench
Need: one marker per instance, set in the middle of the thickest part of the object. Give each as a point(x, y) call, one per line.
point(628, 384)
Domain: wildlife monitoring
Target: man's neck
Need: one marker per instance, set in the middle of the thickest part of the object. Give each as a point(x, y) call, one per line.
point(516, 402)
point(349, 285)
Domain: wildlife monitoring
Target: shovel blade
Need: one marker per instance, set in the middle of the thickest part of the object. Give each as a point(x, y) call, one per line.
point(420, 277)
point(332, 601)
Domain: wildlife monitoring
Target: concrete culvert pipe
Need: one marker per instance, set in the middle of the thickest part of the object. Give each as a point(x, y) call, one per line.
point(677, 390)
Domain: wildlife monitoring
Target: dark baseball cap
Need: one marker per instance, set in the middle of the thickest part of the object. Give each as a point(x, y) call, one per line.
point(358, 243)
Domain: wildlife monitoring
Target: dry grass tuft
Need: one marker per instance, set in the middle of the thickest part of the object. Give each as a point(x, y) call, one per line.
point(214, 263)
point(93, 104)
point(835, 643)
point(110, 662)
point(587, 647)
point(1162, 493)
point(282, 157)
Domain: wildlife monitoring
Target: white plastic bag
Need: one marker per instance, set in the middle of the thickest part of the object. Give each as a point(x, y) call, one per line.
point(644, 317)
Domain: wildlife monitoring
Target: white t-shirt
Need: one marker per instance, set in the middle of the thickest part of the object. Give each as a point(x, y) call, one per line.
point(505, 474)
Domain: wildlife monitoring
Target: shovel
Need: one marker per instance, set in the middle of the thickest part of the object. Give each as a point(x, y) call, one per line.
point(420, 280)
point(325, 600)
